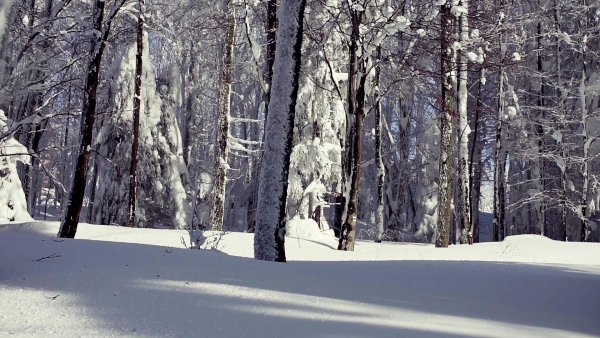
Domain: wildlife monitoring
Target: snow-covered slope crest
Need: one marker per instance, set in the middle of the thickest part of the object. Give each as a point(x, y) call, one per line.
point(124, 282)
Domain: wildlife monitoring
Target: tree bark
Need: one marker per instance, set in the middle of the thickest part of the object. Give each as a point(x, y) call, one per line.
point(137, 105)
point(348, 233)
point(584, 226)
point(271, 32)
point(269, 236)
point(379, 215)
point(217, 210)
point(356, 101)
point(541, 162)
point(68, 227)
point(476, 164)
point(464, 202)
point(447, 104)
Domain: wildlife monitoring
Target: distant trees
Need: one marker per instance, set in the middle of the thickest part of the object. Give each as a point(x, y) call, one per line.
point(413, 118)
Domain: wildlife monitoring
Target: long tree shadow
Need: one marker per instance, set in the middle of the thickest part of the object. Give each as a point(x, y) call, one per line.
point(132, 289)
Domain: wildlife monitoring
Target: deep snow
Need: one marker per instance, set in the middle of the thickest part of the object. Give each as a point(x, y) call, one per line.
point(116, 281)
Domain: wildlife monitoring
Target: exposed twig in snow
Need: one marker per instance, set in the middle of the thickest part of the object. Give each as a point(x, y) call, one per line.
point(54, 255)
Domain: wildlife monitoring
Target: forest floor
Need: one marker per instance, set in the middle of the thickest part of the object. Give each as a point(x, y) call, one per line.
point(115, 281)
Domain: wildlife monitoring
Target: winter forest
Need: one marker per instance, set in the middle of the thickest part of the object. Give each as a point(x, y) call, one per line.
point(437, 121)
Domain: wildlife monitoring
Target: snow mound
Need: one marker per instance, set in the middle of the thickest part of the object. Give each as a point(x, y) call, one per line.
point(302, 228)
point(521, 238)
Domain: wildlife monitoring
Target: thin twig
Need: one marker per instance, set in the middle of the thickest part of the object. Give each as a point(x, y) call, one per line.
point(54, 255)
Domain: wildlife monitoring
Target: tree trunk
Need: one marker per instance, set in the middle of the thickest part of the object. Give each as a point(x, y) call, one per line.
point(447, 104)
point(68, 227)
point(562, 227)
point(499, 169)
point(348, 233)
point(269, 236)
point(476, 165)
point(541, 163)
point(137, 105)
point(464, 202)
point(353, 121)
point(217, 210)
point(379, 216)
point(584, 226)
point(271, 32)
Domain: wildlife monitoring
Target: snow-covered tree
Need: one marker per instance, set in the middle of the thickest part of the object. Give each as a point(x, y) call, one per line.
point(13, 205)
point(269, 236)
point(162, 175)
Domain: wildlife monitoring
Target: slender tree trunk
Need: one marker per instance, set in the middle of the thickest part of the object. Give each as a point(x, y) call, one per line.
point(217, 210)
point(541, 165)
point(499, 169)
point(379, 215)
point(91, 207)
point(447, 102)
point(269, 236)
point(464, 202)
point(68, 227)
point(348, 233)
point(187, 87)
point(354, 120)
point(584, 226)
point(562, 227)
point(475, 166)
point(347, 139)
point(271, 32)
point(137, 106)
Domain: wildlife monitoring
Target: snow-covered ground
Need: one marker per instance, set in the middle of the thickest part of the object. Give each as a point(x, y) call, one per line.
point(116, 281)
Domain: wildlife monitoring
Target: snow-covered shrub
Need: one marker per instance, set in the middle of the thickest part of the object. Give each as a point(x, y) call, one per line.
point(13, 205)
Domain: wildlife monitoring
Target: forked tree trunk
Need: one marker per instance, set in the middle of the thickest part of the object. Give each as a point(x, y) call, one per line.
point(348, 233)
point(354, 120)
point(217, 210)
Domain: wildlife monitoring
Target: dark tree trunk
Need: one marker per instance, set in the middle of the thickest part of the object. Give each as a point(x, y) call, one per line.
point(137, 104)
point(68, 227)
point(447, 102)
point(217, 210)
point(271, 30)
point(348, 233)
point(353, 120)
point(379, 213)
point(475, 166)
point(540, 133)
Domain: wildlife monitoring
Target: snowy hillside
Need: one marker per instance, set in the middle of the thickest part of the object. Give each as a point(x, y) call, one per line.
point(116, 281)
